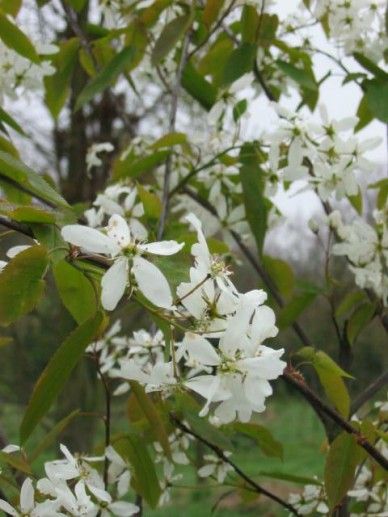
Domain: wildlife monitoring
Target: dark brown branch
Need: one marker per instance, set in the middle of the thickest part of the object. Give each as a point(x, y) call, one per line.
point(220, 453)
point(293, 377)
point(369, 392)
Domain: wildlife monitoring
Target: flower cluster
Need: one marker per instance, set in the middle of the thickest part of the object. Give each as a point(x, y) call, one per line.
point(366, 248)
point(73, 487)
point(323, 154)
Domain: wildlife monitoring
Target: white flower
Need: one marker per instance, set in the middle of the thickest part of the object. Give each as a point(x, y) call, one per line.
point(92, 158)
point(126, 251)
point(243, 365)
point(27, 505)
point(311, 501)
point(118, 471)
point(215, 467)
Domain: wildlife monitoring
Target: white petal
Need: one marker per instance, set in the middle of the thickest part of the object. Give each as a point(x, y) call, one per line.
point(263, 324)
point(200, 349)
point(89, 239)
point(152, 283)
point(162, 247)
point(15, 250)
point(113, 284)
point(7, 508)
point(27, 496)
point(118, 231)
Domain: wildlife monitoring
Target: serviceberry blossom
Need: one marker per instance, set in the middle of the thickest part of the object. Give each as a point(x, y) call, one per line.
point(119, 199)
point(129, 267)
point(215, 467)
point(242, 364)
point(28, 507)
point(312, 501)
point(92, 157)
point(366, 248)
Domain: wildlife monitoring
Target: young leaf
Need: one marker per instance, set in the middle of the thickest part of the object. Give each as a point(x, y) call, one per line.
point(16, 40)
point(151, 413)
point(21, 283)
point(349, 301)
point(263, 437)
point(57, 86)
point(290, 312)
point(52, 435)
point(341, 462)
point(170, 36)
point(239, 63)
point(144, 481)
point(359, 320)
point(16, 461)
point(17, 173)
point(11, 7)
point(211, 11)
point(9, 121)
point(120, 63)
point(76, 291)
point(58, 370)
point(303, 76)
point(132, 167)
point(377, 97)
point(281, 273)
point(198, 87)
point(253, 184)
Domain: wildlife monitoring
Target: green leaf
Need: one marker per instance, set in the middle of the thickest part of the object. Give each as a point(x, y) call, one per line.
point(77, 5)
point(53, 378)
point(364, 114)
point(302, 480)
point(198, 87)
point(132, 167)
point(335, 390)
point(369, 65)
point(11, 7)
point(382, 194)
point(151, 202)
point(211, 11)
point(16, 40)
point(107, 76)
point(263, 437)
point(359, 320)
point(349, 301)
point(144, 479)
point(152, 414)
point(239, 62)
point(50, 236)
point(52, 436)
point(16, 461)
point(377, 97)
point(16, 172)
point(7, 119)
point(76, 291)
point(170, 140)
point(341, 462)
point(169, 37)
point(289, 313)
point(57, 85)
point(303, 76)
point(281, 273)
point(250, 22)
point(357, 202)
point(21, 283)
point(330, 376)
point(253, 185)
point(27, 214)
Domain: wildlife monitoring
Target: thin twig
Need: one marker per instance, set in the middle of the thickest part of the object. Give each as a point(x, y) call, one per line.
point(294, 378)
point(369, 392)
point(171, 128)
point(220, 453)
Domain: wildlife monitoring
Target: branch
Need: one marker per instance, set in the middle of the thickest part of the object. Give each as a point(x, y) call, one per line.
point(220, 453)
point(171, 128)
point(369, 392)
point(293, 377)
